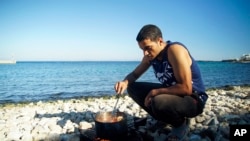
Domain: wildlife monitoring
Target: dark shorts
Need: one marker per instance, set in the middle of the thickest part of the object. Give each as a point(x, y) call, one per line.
point(165, 107)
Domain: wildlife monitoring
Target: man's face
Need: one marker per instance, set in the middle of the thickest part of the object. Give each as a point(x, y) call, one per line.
point(150, 48)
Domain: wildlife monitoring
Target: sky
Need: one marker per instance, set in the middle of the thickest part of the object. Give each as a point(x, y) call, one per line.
point(105, 30)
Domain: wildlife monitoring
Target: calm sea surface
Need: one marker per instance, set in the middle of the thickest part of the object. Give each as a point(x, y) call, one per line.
point(33, 81)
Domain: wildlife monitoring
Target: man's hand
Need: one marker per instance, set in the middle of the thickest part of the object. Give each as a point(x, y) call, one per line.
point(149, 97)
point(121, 86)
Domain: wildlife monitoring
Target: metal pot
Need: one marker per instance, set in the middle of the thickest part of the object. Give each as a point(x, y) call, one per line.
point(111, 127)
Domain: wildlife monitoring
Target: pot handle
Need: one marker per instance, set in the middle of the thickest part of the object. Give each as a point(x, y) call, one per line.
point(92, 115)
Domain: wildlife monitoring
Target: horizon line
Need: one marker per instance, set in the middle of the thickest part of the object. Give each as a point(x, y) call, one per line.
point(100, 60)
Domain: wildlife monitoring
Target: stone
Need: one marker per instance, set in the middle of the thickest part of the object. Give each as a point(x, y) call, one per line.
point(84, 125)
point(64, 120)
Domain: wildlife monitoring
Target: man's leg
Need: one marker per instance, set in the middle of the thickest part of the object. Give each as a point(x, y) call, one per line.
point(139, 90)
point(173, 109)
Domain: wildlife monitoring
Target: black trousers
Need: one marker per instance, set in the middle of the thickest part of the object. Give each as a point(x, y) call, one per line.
point(171, 109)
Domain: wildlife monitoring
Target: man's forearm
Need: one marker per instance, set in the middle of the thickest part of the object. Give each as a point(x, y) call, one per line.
point(130, 78)
point(177, 89)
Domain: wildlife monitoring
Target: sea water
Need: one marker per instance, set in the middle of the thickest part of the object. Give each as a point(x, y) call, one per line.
point(34, 81)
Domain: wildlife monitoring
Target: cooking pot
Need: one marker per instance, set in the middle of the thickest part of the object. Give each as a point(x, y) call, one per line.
point(111, 126)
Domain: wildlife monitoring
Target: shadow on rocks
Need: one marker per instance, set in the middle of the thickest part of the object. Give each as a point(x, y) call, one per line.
point(65, 126)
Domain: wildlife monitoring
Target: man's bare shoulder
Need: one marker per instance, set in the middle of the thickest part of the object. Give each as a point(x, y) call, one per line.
point(176, 47)
point(178, 52)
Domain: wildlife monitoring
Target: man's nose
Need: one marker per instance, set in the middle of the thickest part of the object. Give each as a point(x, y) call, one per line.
point(145, 52)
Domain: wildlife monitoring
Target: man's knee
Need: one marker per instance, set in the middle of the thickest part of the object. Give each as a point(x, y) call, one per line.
point(130, 89)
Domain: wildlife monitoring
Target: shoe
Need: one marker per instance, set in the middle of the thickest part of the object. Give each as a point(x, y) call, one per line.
point(139, 122)
point(179, 133)
point(155, 125)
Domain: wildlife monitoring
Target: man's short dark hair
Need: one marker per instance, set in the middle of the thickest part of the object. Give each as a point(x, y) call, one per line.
point(149, 31)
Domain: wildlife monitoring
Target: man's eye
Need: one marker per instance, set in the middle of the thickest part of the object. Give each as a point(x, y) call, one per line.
point(147, 48)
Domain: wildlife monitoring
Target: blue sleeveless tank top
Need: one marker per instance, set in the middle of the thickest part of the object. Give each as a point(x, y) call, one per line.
point(164, 71)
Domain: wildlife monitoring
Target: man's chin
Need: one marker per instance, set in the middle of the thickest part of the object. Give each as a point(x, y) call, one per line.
point(150, 58)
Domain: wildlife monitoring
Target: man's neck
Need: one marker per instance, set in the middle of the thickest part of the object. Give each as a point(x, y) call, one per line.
point(160, 55)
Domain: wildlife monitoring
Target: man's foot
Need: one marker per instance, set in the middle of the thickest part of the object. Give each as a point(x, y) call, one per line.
point(179, 133)
point(156, 125)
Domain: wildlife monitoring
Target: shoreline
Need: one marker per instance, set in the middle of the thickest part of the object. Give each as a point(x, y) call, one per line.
point(70, 119)
point(106, 96)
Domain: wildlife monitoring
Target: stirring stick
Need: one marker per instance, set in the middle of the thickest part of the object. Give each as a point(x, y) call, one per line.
point(114, 110)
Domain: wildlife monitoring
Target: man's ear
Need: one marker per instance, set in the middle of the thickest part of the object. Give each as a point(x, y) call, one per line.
point(160, 40)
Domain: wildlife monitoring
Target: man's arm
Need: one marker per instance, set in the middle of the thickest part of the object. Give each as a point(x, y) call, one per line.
point(121, 86)
point(181, 61)
point(139, 70)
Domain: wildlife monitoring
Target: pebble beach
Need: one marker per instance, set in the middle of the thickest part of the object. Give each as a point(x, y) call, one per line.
point(69, 120)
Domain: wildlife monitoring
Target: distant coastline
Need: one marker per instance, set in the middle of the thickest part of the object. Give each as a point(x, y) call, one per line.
point(245, 58)
point(7, 61)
